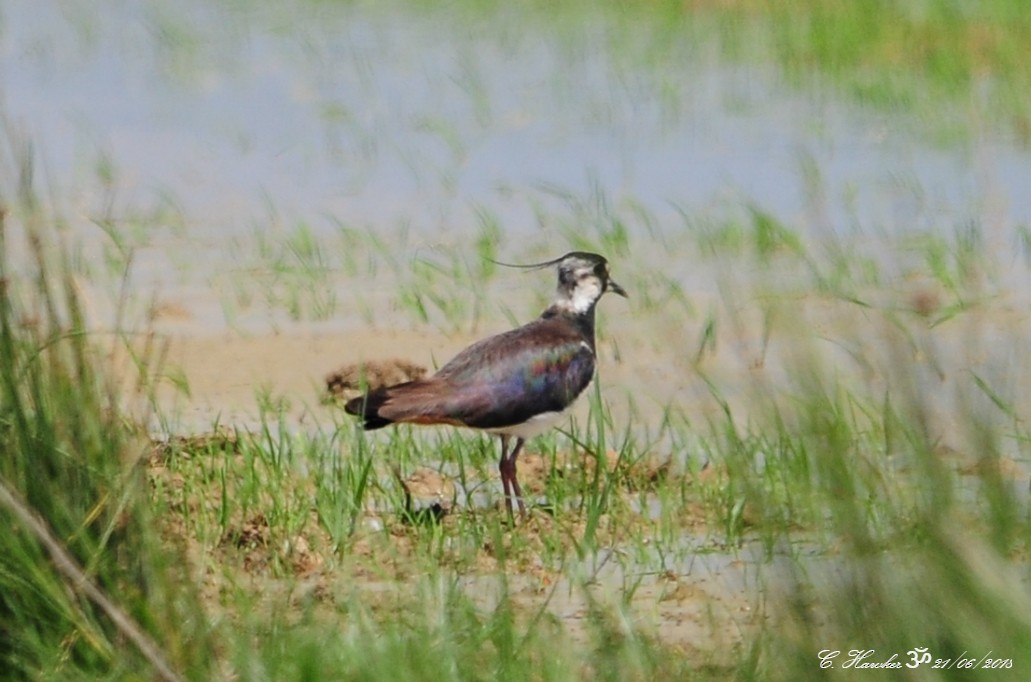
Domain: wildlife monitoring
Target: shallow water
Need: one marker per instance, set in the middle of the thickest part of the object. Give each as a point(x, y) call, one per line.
point(230, 117)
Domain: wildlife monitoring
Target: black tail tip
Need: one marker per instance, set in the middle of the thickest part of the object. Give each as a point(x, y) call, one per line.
point(355, 406)
point(365, 407)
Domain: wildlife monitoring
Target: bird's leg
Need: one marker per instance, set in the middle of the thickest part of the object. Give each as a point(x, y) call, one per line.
point(507, 470)
point(515, 482)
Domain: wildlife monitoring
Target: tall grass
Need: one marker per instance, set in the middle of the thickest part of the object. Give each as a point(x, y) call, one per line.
point(924, 556)
point(83, 577)
point(901, 501)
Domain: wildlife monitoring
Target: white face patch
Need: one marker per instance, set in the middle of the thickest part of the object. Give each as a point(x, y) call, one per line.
point(585, 293)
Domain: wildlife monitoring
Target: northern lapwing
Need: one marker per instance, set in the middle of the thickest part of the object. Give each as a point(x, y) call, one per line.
point(517, 384)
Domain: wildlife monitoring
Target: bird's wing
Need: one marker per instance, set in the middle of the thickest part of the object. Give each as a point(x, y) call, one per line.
point(500, 381)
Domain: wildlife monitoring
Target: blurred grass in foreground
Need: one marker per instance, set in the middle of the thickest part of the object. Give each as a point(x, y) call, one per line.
point(70, 459)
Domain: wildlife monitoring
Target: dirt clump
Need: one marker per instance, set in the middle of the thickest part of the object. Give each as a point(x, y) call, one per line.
point(351, 379)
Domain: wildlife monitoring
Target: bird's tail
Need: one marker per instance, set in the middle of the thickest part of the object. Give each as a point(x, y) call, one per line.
point(413, 402)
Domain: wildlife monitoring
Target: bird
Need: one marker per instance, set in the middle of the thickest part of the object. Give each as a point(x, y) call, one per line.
point(516, 384)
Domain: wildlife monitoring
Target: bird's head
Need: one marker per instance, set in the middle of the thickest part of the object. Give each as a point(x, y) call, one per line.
point(583, 278)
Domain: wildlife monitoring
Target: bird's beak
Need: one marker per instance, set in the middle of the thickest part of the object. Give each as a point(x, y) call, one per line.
point(616, 289)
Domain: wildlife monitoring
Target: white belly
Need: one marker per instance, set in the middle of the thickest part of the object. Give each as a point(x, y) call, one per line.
point(535, 426)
